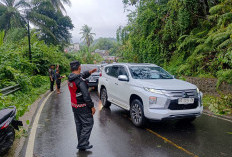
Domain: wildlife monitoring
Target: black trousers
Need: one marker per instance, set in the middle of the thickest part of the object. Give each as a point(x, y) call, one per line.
point(51, 84)
point(84, 124)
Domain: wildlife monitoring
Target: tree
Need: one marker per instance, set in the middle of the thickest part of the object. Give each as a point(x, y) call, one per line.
point(130, 2)
point(188, 37)
point(2, 34)
point(104, 44)
point(87, 35)
point(10, 16)
point(58, 4)
point(53, 26)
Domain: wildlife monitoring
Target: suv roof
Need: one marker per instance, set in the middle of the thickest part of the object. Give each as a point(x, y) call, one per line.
point(133, 64)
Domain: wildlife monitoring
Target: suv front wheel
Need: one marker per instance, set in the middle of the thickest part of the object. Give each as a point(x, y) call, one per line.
point(137, 114)
point(104, 97)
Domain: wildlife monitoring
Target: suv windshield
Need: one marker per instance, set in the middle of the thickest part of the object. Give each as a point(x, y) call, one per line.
point(149, 72)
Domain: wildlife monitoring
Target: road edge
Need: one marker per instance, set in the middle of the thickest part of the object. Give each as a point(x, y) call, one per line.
point(222, 117)
point(21, 143)
point(31, 140)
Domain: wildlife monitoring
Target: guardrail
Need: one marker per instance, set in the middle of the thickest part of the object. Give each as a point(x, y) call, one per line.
point(10, 90)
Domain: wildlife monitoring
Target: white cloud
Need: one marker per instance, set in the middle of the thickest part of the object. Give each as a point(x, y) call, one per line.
point(104, 16)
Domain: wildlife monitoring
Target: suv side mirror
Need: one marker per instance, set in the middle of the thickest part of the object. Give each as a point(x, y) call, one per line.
point(123, 78)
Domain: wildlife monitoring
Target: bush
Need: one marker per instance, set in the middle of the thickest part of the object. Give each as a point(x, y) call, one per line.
point(32, 77)
point(16, 67)
point(219, 105)
point(38, 81)
point(24, 98)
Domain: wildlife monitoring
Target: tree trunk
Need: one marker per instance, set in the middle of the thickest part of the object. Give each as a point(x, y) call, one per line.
point(206, 4)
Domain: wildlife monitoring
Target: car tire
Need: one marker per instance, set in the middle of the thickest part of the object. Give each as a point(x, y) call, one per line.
point(104, 97)
point(187, 120)
point(8, 142)
point(137, 114)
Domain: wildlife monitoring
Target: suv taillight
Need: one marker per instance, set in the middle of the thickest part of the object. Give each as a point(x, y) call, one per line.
point(100, 74)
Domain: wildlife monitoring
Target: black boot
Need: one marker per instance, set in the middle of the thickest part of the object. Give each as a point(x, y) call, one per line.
point(85, 147)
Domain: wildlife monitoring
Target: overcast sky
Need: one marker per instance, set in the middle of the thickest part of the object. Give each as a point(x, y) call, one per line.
point(104, 16)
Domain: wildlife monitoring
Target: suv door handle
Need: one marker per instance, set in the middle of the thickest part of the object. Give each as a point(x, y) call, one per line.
point(106, 79)
point(116, 83)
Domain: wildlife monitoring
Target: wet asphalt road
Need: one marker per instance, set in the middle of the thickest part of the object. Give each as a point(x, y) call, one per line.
point(114, 135)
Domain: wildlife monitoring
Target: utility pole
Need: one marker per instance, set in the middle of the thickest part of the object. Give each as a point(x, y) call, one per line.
point(29, 40)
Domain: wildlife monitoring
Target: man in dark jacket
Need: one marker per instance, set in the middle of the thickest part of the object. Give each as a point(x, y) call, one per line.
point(51, 76)
point(82, 105)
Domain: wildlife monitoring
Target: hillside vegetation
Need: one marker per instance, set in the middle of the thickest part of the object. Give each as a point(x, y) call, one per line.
point(188, 37)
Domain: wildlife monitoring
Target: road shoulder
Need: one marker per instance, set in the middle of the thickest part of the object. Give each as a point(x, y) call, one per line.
point(20, 143)
point(223, 117)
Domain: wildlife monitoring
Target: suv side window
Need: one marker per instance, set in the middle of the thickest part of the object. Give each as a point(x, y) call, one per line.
point(107, 70)
point(122, 71)
point(112, 71)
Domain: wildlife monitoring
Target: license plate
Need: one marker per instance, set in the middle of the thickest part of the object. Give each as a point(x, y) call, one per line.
point(92, 81)
point(185, 100)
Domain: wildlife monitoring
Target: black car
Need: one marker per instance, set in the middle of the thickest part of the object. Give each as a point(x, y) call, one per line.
point(92, 80)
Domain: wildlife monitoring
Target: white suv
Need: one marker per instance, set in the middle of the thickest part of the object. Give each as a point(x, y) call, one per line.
point(149, 92)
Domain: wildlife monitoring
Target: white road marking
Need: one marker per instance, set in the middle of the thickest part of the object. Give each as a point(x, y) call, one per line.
point(31, 140)
point(217, 117)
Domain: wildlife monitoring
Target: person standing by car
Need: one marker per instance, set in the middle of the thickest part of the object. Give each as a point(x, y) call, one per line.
point(58, 80)
point(82, 104)
point(57, 68)
point(51, 76)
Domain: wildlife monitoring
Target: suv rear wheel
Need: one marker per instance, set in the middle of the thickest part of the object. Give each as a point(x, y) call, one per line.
point(137, 114)
point(104, 97)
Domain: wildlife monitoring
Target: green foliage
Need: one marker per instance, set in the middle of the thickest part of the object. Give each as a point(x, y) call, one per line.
point(54, 27)
point(59, 4)
point(2, 34)
point(16, 34)
point(185, 37)
point(16, 67)
point(33, 77)
point(38, 81)
point(10, 16)
point(224, 76)
point(219, 105)
point(104, 44)
point(23, 99)
point(85, 57)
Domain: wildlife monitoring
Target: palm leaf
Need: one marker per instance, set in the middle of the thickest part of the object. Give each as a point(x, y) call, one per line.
point(22, 3)
point(40, 19)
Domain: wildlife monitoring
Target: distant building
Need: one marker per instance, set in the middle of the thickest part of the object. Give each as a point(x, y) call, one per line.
point(110, 59)
point(105, 55)
point(102, 52)
point(72, 48)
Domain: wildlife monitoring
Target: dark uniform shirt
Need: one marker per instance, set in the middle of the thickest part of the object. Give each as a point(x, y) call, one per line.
point(79, 89)
point(58, 79)
point(51, 73)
